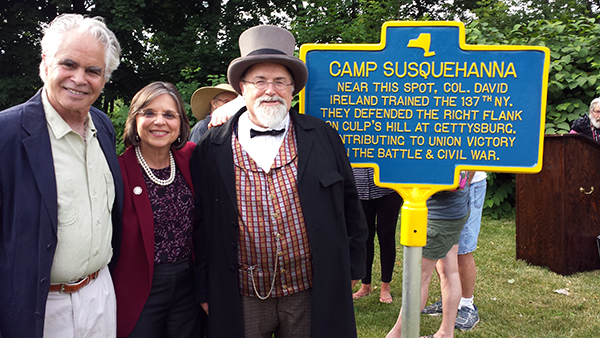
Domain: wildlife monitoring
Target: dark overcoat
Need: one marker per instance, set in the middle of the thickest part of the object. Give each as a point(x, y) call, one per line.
point(584, 126)
point(28, 213)
point(333, 216)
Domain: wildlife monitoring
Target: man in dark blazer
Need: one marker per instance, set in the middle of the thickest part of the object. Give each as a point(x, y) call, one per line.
point(280, 230)
point(32, 210)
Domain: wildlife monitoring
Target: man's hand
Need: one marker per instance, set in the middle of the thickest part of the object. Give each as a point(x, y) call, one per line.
point(226, 111)
point(204, 307)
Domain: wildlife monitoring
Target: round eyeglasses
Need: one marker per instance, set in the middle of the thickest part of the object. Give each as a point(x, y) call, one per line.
point(261, 84)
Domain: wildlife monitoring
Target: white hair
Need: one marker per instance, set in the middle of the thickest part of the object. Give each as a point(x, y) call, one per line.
point(594, 103)
point(55, 31)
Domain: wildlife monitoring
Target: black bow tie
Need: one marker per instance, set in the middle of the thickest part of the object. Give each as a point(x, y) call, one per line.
point(272, 132)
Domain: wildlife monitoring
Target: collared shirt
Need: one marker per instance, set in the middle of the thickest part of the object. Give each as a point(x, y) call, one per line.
point(274, 249)
point(85, 196)
point(262, 149)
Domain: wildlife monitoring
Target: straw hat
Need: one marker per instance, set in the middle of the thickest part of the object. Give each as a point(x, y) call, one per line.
point(200, 100)
point(267, 43)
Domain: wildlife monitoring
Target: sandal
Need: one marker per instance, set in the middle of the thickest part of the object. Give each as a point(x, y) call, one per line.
point(386, 300)
point(385, 295)
point(358, 294)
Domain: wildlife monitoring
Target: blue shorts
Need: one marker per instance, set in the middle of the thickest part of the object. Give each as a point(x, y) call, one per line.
point(468, 237)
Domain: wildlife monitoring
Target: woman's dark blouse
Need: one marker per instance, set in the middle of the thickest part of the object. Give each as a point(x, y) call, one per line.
point(173, 208)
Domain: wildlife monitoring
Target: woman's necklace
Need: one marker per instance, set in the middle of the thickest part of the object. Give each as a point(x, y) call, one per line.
point(153, 178)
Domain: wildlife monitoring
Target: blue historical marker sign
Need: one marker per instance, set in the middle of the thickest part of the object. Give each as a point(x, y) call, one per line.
point(421, 104)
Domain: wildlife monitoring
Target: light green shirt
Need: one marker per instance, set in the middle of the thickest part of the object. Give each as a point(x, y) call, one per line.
point(85, 195)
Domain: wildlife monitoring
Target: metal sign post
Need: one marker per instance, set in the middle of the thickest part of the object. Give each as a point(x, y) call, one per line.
point(422, 105)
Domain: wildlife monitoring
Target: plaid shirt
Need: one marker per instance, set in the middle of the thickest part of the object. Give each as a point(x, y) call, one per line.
point(273, 241)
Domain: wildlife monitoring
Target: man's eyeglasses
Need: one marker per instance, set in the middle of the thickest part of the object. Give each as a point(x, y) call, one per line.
point(151, 114)
point(224, 100)
point(261, 84)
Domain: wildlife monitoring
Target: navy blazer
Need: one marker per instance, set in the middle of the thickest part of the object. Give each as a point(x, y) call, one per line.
point(28, 213)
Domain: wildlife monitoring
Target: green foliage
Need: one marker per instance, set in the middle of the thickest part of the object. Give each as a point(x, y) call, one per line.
point(573, 80)
point(500, 195)
point(505, 14)
point(360, 21)
point(574, 57)
point(186, 90)
point(575, 68)
point(118, 117)
point(19, 50)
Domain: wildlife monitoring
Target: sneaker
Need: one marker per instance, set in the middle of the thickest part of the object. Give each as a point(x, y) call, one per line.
point(434, 309)
point(466, 319)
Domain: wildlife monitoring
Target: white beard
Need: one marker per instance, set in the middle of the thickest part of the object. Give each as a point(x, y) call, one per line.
point(594, 121)
point(270, 116)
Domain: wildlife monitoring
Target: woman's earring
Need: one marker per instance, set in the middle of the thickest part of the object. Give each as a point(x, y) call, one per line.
point(137, 137)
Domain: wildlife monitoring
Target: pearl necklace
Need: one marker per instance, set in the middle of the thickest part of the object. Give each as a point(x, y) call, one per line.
point(146, 167)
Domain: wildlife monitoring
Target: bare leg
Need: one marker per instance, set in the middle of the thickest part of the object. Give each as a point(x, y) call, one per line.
point(427, 267)
point(385, 296)
point(451, 291)
point(468, 272)
point(365, 290)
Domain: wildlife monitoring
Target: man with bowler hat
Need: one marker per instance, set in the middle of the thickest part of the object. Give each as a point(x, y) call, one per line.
point(280, 230)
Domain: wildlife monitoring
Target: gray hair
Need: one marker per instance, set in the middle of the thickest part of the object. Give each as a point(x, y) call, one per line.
point(55, 31)
point(594, 103)
point(142, 99)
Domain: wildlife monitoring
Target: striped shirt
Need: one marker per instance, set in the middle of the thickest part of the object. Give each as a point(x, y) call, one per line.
point(365, 184)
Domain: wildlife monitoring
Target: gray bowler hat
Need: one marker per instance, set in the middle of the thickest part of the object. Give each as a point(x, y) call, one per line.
point(267, 44)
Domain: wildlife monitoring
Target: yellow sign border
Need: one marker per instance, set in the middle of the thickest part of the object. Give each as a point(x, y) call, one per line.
point(414, 211)
point(426, 190)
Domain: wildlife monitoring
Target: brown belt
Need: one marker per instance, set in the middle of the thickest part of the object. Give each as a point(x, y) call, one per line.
point(76, 286)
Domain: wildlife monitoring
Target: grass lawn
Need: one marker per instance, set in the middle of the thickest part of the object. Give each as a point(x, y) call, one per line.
point(514, 298)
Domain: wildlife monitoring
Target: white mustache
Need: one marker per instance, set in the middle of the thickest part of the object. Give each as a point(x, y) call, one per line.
point(270, 99)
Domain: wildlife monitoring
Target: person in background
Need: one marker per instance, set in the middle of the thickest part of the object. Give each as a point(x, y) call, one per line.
point(154, 277)
point(468, 314)
point(381, 207)
point(447, 213)
point(204, 101)
point(61, 192)
point(281, 233)
point(589, 125)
